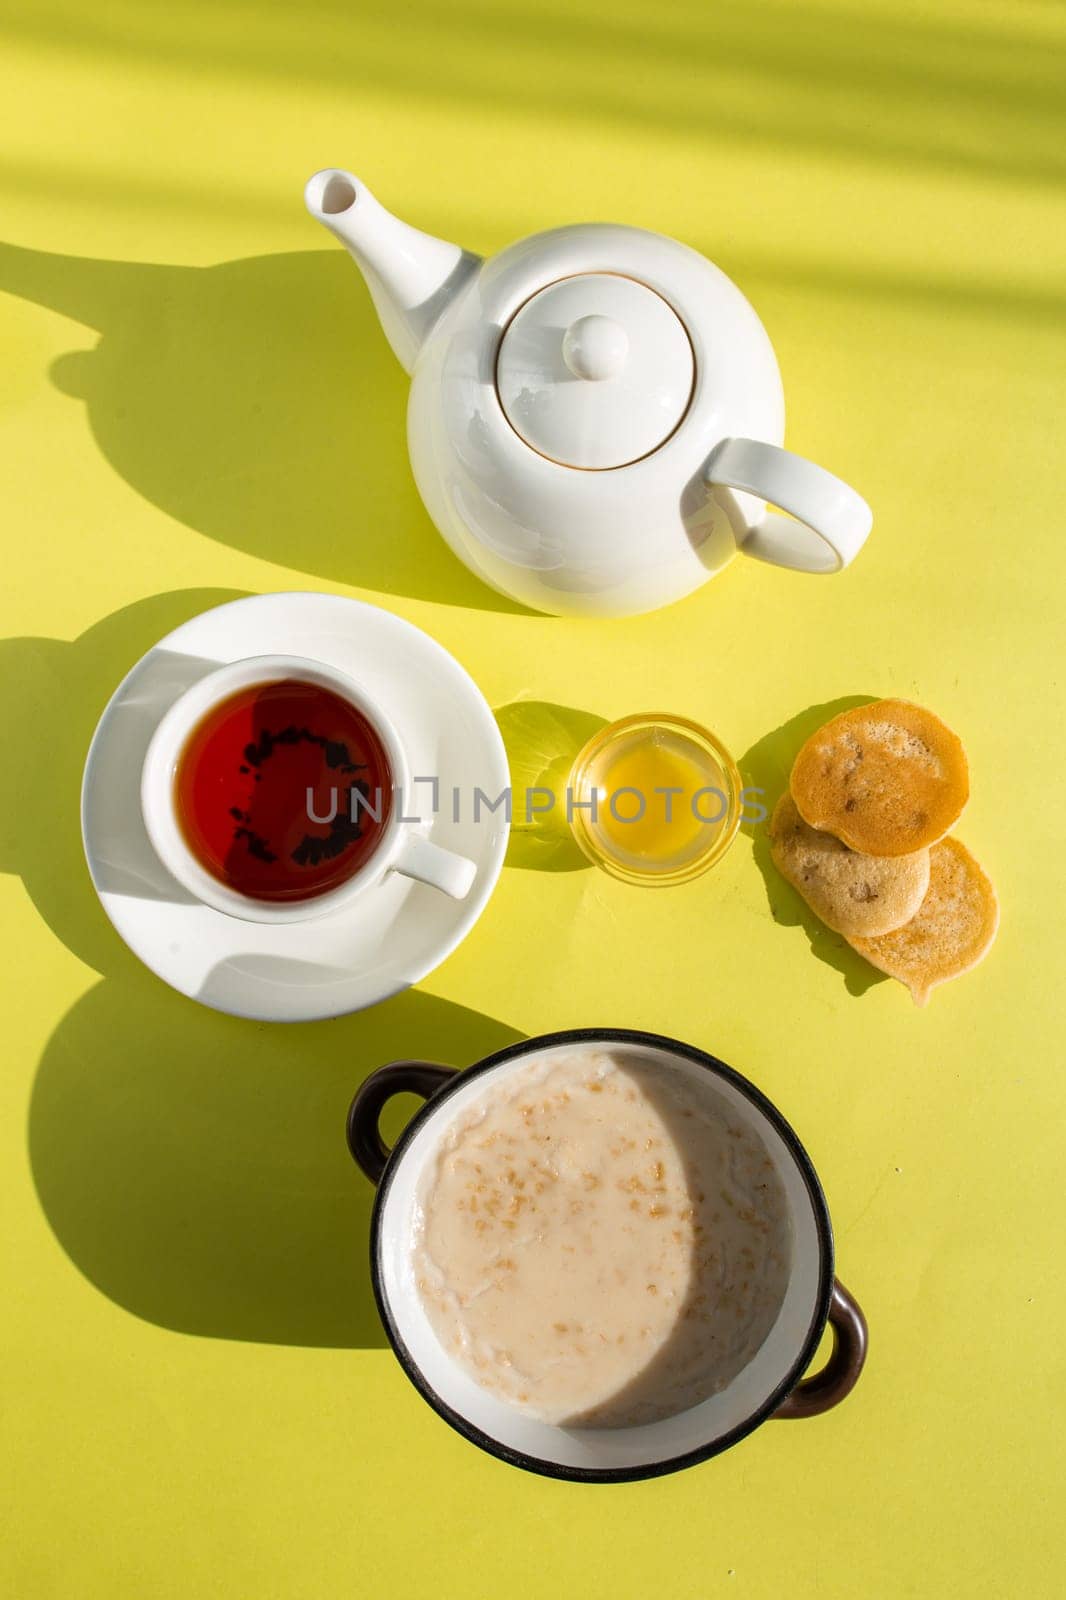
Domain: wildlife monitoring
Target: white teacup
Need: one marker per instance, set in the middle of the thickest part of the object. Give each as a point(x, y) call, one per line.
point(402, 846)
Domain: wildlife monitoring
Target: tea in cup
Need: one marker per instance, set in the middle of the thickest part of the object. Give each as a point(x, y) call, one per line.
point(274, 790)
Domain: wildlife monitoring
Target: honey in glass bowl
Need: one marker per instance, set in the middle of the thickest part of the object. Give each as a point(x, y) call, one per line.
point(654, 799)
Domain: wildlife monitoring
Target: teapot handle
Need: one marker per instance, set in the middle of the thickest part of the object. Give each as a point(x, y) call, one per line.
point(827, 523)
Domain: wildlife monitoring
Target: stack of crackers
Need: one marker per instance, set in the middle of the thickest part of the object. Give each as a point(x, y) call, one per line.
point(862, 834)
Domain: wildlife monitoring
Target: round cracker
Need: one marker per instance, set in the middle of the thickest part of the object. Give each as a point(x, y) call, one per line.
point(852, 893)
point(888, 778)
point(953, 930)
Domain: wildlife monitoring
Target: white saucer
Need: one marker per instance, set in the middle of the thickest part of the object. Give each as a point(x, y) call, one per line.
point(394, 934)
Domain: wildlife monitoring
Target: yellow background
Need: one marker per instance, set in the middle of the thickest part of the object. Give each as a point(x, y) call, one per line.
point(197, 403)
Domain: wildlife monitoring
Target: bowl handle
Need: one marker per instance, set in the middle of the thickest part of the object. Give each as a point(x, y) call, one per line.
point(369, 1150)
point(841, 1372)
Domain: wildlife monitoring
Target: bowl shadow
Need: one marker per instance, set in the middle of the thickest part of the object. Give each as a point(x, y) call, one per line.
point(191, 1165)
point(194, 1167)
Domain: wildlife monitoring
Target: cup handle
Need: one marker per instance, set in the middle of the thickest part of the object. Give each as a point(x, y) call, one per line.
point(827, 523)
point(841, 1372)
point(430, 863)
point(369, 1150)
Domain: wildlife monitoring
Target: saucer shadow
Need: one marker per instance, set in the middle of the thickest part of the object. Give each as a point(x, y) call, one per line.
point(767, 766)
point(541, 740)
point(194, 1166)
point(52, 693)
point(259, 403)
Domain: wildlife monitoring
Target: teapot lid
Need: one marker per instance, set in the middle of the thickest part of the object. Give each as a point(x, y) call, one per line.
point(595, 371)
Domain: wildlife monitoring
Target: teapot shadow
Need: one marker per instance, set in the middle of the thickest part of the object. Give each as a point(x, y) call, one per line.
point(258, 403)
point(767, 766)
point(192, 1166)
point(541, 740)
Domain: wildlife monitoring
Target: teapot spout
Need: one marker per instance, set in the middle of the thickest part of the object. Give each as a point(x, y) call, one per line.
point(412, 277)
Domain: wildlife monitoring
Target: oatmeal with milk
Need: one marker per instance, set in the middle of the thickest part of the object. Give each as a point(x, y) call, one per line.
point(601, 1244)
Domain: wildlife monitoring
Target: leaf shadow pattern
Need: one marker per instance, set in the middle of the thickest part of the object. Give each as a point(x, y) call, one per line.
point(898, 88)
point(767, 766)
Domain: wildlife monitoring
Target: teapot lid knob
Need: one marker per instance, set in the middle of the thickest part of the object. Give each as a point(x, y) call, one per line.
point(631, 355)
point(595, 347)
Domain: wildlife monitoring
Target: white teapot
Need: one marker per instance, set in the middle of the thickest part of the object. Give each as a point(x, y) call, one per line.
point(596, 414)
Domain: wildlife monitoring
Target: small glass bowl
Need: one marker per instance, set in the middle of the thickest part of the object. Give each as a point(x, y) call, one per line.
point(645, 743)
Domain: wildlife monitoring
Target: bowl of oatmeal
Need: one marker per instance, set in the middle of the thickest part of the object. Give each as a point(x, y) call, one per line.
point(602, 1254)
